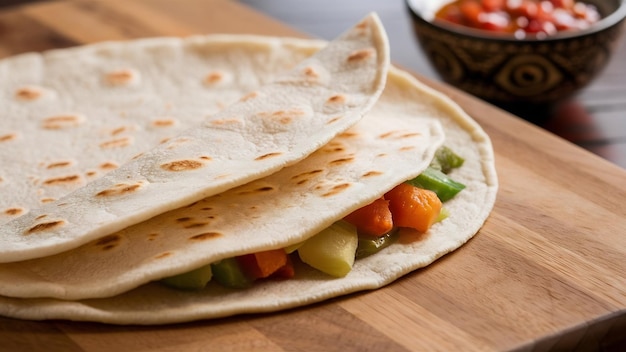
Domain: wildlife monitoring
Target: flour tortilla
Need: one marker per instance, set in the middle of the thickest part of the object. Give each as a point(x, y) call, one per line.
point(94, 108)
point(155, 304)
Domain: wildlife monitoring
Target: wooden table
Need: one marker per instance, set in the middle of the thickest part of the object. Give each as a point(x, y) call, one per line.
point(547, 271)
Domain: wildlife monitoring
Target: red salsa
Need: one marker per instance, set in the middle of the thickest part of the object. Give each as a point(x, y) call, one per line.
point(520, 17)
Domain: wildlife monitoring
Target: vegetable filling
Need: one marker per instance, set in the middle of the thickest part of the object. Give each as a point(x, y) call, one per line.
point(415, 204)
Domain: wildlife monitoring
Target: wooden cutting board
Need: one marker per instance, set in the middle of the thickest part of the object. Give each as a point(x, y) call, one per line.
point(547, 271)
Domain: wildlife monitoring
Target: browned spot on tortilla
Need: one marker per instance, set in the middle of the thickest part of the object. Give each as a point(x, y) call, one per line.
point(333, 120)
point(205, 236)
point(361, 55)
point(348, 134)
point(41, 216)
point(120, 77)
point(58, 164)
point(362, 25)
point(310, 72)
point(163, 255)
point(386, 135)
point(28, 93)
point(13, 211)
point(257, 190)
point(207, 208)
point(336, 189)
point(223, 122)
point(116, 143)
point(341, 161)
point(305, 177)
point(372, 173)
point(61, 121)
point(195, 225)
point(152, 236)
point(336, 99)
point(410, 147)
point(8, 137)
point(45, 226)
point(204, 157)
point(108, 240)
point(213, 78)
point(47, 200)
point(62, 180)
point(91, 173)
point(192, 204)
point(268, 155)
point(163, 122)
point(185, 219)
point(249, 96)
point(61, 204)
point(409, 135)
point(381, 155)
point(118, 130)
point(163, 141)
point(108, 165)
point(119, 189)
point(137, 156)
point(182, 165)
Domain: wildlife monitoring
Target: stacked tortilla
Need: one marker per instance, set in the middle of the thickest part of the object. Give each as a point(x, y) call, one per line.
point(130, 162)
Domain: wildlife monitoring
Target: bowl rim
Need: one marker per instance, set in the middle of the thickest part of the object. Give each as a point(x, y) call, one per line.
point(614, 18)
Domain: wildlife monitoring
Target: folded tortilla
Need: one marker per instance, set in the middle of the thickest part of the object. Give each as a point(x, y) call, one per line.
point(84, 116)
point(394, 142)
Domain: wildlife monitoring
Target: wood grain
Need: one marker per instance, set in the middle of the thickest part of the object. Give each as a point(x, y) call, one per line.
point(547, 270)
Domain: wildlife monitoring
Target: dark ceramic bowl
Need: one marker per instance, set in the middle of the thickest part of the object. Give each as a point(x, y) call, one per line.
point(502, 69)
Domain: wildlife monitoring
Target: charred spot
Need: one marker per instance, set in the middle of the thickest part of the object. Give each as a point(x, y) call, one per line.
point(372, 173)
point(336, 189)
point(118, 130)
point(61, 180)
point(152, 236)
point(205, 236)
point(182, 165)
point(59, 164)
point(348, 134)
point(249, 96)
point(108, 240)
point(213, 77)
point(60, 122)
point(8, 137)
point(268, 155)
point(13, 211)
point(264, 189)
point(195, 225)
point(45, 226)
point(108, 165)
point(163, 122)
point(336, 99)
point(120, 77)
point(341, 161)
point(116, 143)
point(28, 93)
point(310, 72)
point(333, 120)
point(361, 55)
point(185, 219)
point(163, 255)
point(119, 189)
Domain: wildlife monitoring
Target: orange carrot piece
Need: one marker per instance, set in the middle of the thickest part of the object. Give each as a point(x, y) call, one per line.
point(262, 264)
point(287, 271)
point(373, 219)
point(413, 207)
